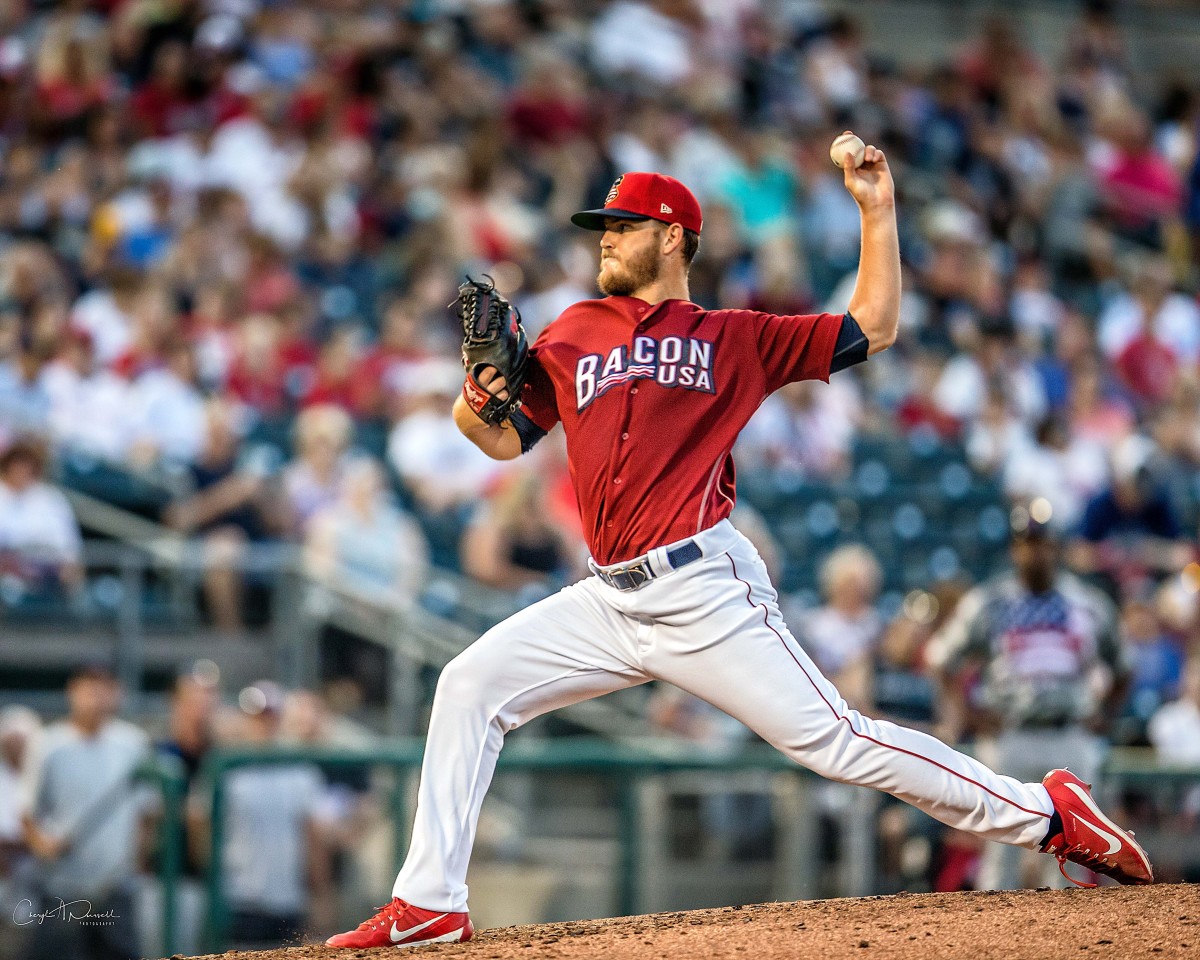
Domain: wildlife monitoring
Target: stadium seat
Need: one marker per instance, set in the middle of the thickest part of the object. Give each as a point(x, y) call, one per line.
point(371, 437)
point(892, 452)
point(908, 521)
point(872, 478)
point(821, 520)
point(273, 431)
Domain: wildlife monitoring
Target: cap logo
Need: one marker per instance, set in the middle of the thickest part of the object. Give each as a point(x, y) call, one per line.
point(612, 193)
point(663, 208)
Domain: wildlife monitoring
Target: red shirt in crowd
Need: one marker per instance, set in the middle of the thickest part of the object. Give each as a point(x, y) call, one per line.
point(547, 120)
point(916, 411)
point(339, 393)
point(384, 374)
point(652, 398)
point(288, 373)
point(63, 100)
point(136, 360)
point(1147, 367)
point(1141, 187)
point(160, 110)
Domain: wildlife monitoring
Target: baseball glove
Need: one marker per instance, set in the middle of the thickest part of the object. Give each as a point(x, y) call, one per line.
point(492, 337)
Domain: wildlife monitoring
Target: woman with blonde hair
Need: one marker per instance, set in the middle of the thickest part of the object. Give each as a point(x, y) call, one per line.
point(842, 634)
point(73, 76)
point(312, 481)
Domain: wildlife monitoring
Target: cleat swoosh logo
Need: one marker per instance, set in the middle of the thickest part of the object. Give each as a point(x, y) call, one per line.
point(1114, 842)
point(401, 935)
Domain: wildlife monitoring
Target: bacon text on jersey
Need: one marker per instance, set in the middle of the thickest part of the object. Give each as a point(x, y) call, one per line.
point(671, 363)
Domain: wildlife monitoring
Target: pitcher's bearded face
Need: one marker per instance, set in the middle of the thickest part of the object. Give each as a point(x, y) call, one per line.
point(629, 257)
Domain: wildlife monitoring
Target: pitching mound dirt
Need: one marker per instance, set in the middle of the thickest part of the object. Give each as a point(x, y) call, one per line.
point(1159, 923)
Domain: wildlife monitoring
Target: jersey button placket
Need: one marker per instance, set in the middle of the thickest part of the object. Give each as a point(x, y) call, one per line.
point(641, 325)
point(617, 481)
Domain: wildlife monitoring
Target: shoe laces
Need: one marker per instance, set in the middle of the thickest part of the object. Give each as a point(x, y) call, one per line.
point(1084, 857)
point(1062, 868)
point(385, 915)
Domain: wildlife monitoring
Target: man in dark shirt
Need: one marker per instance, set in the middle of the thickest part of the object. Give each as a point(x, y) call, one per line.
point(1130, 530)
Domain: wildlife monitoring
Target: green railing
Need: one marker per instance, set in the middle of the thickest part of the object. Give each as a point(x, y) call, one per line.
point(167, 774)
point(1140, 765)
point(1170, 836)
point(629, 764)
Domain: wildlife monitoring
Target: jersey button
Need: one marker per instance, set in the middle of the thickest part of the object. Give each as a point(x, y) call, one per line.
point(617, 482)
point(624, 436)
point(633, 391)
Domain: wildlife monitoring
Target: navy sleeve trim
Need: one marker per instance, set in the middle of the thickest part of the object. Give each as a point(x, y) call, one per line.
point(851, 347)
point(529, 432)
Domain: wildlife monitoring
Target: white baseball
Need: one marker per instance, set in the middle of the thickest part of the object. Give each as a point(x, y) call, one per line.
point(844, 146)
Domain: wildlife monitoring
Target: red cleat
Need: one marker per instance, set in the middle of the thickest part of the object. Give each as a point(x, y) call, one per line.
point(400, 924)
point(1087, 837)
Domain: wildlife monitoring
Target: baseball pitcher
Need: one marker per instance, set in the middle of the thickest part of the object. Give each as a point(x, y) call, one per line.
point(652, 391)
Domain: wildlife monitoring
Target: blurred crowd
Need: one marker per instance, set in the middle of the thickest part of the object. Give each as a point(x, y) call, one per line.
point(221, 219)
point(227, 222)
point(79, 821)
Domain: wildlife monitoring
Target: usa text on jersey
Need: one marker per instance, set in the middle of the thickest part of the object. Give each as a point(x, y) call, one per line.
point(671, 362)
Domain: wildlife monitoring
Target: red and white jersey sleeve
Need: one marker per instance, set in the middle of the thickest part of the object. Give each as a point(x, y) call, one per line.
point(652, 398)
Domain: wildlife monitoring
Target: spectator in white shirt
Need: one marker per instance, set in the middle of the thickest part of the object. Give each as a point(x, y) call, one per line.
point(962, 390)
point(643, 39)
point(1175, 727)
point(365, 540)
point(1174, 730)
point(168, 410)
point(313, 480)
point(19, 729)
point(997, 436)
point(842, 635)
point(106, 314)
point(40, 544)
point(1174, 319)
point(440, 466)
point(805, 429)
point(24, 403)
point(88, 404)
point(1036, 311)
point(1066, 471)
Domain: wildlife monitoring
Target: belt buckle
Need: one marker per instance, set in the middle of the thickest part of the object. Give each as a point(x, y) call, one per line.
point(630, 577)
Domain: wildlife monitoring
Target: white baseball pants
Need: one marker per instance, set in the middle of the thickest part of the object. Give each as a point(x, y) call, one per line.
point(712, 628)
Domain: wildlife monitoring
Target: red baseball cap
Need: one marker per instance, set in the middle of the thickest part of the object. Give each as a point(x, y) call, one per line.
point(645, 196)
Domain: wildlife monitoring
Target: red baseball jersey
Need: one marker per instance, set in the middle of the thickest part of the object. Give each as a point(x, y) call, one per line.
point(652, 398)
